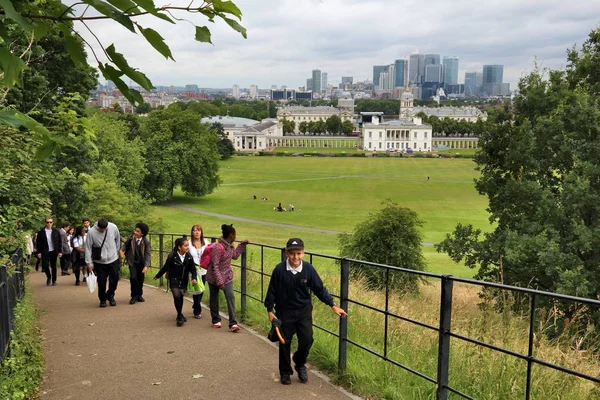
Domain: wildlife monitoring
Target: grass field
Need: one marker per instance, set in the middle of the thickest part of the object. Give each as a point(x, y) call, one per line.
point(336, 194)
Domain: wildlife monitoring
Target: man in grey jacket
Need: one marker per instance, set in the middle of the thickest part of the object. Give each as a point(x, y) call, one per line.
point(104, 235)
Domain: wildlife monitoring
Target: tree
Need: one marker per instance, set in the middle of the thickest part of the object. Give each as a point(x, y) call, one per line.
point(180, 151)
point(303, 127)
point(288, 127)
point(347, 127)
point(143, 108)
point(389, 237)
point(333, 124)
point(319, 127)
point(226, 148)
point(540, 171)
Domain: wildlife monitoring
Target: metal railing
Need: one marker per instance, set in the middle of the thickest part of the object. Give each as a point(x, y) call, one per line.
point(12, 288)
point(443, 328)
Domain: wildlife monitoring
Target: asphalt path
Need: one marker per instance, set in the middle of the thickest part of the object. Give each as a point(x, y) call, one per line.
point(137, 351)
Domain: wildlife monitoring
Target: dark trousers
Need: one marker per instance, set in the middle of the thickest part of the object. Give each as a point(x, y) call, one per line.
point(110, 272)
point(197, 308)
point(136, 279)
point(214, 303)
point(50, 270)
point(298, 322)
point(64, 262)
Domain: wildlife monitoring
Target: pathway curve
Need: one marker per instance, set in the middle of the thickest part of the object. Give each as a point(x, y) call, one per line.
point(137, 352)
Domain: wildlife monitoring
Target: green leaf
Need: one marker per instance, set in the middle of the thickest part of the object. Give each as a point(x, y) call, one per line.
point(133, 73)
point(40, 29)
point(12, 66)
point(111, 12)
point(127, 6)
point(227, 7)
point(10, 12)
point(75, 50)
point(203, 34)
point(163, 17)
point(45, 150)
point(157, 42)
point(114, 75)
point(147, 5)
point(234, 24)
point(17, 120)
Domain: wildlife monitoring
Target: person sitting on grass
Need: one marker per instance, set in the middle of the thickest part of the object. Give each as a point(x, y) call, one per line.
point(288, 303)
point(178, 265)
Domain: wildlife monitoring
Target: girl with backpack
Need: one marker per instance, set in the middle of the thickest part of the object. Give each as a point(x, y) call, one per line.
point(178, 266)
point(220, 275)
point(198, 244)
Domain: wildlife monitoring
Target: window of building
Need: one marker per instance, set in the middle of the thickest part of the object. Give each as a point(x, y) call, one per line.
point(370, 135)
point(425, 145)
point(379, 135)
point(379, 144)
point(415, 135)
point(369, 144)
point(425, 135)
point(415, 146)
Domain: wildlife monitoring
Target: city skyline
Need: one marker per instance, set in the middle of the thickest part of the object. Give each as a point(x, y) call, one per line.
point(509, 33)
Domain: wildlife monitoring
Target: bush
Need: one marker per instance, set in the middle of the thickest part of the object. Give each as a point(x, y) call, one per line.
point(22, 372)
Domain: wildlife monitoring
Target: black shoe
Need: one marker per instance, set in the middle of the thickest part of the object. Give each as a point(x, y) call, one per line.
point(180, 320)
point(84, 279)
point(112, 301)
point(302, 375)
point(285, 380)
point(48, 282)
point(133, 300)
point(76, 283)
point(140, 299)
point(184, 319)
point(54, 283)
point(65, 273)
point(102, 304)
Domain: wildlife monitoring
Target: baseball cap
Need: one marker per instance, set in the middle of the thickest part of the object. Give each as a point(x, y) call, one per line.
point(294, 244)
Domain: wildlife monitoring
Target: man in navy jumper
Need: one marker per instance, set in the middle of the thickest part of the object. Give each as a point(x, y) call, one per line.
point(289, 300)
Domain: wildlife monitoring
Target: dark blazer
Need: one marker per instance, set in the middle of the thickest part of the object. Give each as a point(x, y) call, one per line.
point(129, 250)
point(42, 242)
point(178, 271)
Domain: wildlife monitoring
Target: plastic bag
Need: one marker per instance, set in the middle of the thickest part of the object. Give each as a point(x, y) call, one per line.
point(198, 288)
point(91, 281)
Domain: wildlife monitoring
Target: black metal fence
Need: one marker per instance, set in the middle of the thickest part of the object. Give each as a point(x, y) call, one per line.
point(12, 288)
point(443, 329)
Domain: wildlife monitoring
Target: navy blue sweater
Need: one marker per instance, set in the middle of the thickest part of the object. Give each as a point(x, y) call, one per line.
point(288, 291)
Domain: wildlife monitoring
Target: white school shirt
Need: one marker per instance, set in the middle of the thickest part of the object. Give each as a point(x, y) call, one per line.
point(197, 254)
point(293, 270)
point(49, 239)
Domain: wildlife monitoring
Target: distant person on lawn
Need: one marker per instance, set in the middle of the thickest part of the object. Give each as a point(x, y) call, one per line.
point(288, 303)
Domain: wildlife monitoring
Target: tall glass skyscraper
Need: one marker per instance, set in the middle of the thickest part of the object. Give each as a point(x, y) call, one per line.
point(377, 70)
point(316, 81)
point(401, 67)
point(450, 70)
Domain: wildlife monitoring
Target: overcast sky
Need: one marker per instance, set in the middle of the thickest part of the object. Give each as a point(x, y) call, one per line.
point(289, 38)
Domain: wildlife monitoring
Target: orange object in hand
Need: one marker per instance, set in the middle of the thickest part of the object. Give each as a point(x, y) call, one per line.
point(281, 339)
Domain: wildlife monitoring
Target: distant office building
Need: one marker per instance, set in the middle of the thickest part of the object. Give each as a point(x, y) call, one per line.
point(401, 69)
point(492, 76)
point(432, 59)
point(324, 82)
point(433, 73)
point(192, 88)
point(309, 84)
point(377, 70)
point(450, 64)
point(473, 82)
point(236, 91)
point(347, 80)
point(253, 91)
point(304, 95)
point(283, 95)
point(416, 68)
point(429, 89)
point(316, 81)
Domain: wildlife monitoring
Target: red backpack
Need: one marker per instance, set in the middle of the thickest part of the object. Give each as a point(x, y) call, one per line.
point(205, 259)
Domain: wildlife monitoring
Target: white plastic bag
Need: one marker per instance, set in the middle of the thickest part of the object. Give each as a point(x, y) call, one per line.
point(91, 281)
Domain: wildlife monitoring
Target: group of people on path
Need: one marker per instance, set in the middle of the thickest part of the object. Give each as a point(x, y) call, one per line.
point(99, 250)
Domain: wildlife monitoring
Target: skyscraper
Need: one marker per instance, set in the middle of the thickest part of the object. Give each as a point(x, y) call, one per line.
point(492, 78)
point(450, 70)
point(316, 81)
point(309, 86)
point(433, 73)
point(324, 82)
point(253, 91)
point(432, 59)
point(401, 67)
point(236, 91)
point(377, 70)
point(347, 80)
point(416, 68)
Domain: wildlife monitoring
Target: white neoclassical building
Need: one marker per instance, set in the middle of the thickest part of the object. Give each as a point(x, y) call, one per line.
point(247, 134)
point(397, 135)
point(469, 114)
point(299, 114)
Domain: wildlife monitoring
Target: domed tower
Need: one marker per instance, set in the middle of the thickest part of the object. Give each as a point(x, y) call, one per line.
point(406, 105)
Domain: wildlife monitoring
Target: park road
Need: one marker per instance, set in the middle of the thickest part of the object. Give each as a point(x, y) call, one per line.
point(137, 351)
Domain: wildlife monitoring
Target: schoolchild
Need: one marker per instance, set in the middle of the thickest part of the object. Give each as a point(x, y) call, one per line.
point(137, 252)
point(220, 275)
point(288, 303)
point(178, 266)
point(197, 245)
point(78, 244)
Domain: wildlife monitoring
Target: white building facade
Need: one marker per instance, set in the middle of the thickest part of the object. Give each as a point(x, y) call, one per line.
point(299, 114)
point(398, 135)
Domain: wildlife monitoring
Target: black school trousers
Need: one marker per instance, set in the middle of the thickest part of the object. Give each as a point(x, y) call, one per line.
point(49, 265)
point(106, 272)
point(299, 323)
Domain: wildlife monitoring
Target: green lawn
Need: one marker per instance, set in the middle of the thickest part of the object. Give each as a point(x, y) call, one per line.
point(336, 194)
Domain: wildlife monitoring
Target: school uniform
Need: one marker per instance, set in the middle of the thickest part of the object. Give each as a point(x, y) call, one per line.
point(178, 267)
point(78, 257)
point(289, 297)
point(196, 254)
point(137, 253)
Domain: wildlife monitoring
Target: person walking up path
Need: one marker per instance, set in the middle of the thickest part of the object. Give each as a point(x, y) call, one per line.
point(104, 236)
point(92, 353)
point(49, 246)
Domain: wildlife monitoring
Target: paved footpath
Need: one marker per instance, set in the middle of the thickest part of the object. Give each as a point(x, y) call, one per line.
point(137, 352)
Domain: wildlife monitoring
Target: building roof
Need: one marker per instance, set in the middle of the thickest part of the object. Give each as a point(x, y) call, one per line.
point(231, 122)
point(258, 128)
point(308, 110)
point(396, 123)
point(450, 111)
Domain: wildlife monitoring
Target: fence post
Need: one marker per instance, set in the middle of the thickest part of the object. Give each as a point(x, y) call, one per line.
point(283, 255)
point(444, 337)
point(243, 284)
point(343, 339)
point(160, 256)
